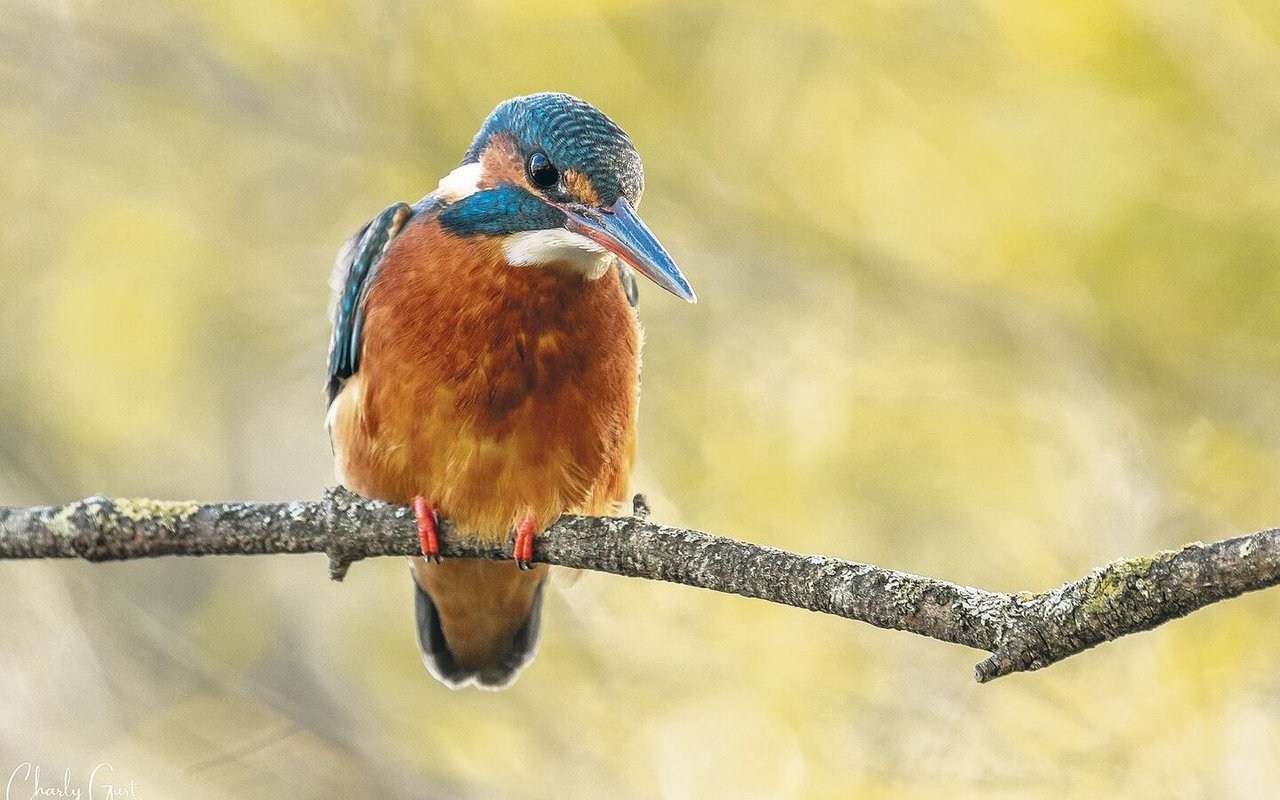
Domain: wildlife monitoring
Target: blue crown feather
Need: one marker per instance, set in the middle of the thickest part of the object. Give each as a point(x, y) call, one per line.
point(575, 135)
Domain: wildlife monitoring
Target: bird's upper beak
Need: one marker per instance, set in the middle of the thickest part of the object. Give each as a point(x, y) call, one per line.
point(620, 231)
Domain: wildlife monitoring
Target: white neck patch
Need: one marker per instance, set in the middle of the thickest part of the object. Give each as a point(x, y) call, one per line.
point(557, 246)
point(460, 183)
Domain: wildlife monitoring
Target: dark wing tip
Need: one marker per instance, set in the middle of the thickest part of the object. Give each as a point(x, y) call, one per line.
point(435, 650)
point(443, 667)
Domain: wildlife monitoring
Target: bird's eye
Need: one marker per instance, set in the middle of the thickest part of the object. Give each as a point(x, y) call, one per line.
point(542, 172)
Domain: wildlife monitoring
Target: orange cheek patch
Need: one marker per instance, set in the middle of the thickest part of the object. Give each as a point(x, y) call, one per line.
point(580, 188)
point(501, 163)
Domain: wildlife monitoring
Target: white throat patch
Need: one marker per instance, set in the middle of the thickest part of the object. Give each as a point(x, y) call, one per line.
point(557, 246)
point(460, 183)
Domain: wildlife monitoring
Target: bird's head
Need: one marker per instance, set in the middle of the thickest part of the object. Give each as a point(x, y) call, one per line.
point(559, 182)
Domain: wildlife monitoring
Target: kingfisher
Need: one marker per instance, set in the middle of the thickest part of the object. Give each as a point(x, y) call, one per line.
point(485, 362)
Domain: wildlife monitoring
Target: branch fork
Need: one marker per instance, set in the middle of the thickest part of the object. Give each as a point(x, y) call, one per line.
point(1022, 632)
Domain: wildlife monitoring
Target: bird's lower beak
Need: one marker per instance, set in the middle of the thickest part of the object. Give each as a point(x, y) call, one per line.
point(620, 231)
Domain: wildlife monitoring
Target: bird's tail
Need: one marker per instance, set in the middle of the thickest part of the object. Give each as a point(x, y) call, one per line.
point(478, 621)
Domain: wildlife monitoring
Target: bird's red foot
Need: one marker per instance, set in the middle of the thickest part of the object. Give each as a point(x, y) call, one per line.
point(428, 528)
point(524, 544)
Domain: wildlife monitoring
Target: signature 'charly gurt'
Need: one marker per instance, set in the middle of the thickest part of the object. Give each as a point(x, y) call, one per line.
point(27, 783)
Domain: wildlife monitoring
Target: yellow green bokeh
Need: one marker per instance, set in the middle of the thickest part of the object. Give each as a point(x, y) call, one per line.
point(988, 291)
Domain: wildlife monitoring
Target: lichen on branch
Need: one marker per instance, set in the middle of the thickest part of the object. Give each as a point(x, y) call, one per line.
point(1022, 632)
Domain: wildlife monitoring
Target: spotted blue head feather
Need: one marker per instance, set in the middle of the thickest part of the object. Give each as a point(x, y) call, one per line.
point(575, 135)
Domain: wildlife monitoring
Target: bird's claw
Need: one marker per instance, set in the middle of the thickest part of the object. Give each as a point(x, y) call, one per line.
point(523, 551)
point(428, 520)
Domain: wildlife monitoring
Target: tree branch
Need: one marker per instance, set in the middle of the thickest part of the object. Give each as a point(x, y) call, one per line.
point(1021, 631)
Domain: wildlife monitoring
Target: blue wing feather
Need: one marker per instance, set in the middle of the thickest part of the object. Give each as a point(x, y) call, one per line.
point(355, 272)
point(357, 269)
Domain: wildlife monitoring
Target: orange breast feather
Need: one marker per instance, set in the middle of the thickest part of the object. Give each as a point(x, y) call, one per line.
point(494, 391)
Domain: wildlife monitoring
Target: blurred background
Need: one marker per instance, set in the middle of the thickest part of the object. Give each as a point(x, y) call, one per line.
point(989, 292)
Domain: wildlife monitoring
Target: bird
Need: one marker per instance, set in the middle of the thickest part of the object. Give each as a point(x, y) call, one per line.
point(484, 364)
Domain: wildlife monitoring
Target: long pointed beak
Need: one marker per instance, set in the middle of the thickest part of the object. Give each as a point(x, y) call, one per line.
point(618, 230)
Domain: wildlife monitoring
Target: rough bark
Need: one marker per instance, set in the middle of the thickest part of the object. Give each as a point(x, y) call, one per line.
point(1022, 632)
